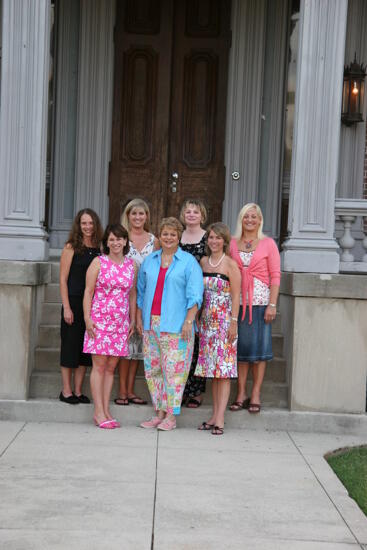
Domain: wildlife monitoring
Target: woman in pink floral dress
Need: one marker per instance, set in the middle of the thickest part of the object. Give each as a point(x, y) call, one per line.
point(218, 323)
point(109, 311)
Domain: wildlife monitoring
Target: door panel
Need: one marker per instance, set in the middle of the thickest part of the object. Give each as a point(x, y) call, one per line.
point(170, 98)
point(138, 167)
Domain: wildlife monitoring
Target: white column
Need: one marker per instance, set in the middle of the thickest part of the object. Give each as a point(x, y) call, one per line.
point(311, 246)
point(95, 97)
point(23, 128)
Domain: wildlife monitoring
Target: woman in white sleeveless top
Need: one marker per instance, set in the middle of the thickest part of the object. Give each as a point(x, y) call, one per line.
point(136, 219)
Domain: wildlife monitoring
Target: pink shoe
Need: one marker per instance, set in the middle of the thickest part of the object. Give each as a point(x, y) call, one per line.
point(152, 423)
point(167, 425)
point(116, 423)
point(105, 425)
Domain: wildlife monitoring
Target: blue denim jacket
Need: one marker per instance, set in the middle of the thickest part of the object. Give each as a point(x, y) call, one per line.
point(183, 288)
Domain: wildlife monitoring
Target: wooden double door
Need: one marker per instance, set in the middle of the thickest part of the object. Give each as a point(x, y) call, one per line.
point(171, 65)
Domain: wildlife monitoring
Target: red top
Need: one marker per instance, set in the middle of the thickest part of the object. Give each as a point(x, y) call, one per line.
point(157, 299)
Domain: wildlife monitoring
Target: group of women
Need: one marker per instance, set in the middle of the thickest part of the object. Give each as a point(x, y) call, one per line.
point(193, 304)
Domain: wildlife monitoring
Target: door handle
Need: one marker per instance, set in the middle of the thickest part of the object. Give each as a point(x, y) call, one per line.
point(173, 184)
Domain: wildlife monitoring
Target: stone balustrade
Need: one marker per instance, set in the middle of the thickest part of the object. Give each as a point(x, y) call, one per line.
point(348, 211)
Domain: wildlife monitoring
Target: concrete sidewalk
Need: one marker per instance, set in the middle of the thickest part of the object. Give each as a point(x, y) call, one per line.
point(76, 487)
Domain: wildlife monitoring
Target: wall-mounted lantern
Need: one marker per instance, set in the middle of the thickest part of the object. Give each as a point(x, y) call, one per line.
point(353, 93)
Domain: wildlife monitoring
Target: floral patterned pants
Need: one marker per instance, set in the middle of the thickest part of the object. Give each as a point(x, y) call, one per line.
point(167, 360)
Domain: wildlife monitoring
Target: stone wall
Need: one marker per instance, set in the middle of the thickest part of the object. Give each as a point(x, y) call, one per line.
point(21, 296)
point(324, 320)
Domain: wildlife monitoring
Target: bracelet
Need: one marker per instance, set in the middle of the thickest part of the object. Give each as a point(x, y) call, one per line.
point(272, 305)
point(234, 319)
point(188, 321)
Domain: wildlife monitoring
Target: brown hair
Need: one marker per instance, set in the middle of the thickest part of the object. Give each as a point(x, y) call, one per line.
point(135, 203)
point(222, 230)
point(119, 231)
point(75, 238)
point(196, 202)
point(171, 222)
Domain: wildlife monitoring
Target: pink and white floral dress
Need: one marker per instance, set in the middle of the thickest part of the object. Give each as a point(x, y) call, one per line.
point(110, 309)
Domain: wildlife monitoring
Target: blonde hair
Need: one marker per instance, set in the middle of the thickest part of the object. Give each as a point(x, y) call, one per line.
point(241, 214)
point(195, 202)
point(173, 223)
point(135, 203)
point(221, 230)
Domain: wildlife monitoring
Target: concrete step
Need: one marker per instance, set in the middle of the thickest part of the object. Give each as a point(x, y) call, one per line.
point(46, 384)
point(49, 337)
point(51, 313)
point(55, 272)
point(53, 299)
point(48, 359)
point(51, 410)
point(52, 293)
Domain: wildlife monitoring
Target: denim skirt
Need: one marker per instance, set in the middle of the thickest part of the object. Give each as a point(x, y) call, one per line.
point(254, 341)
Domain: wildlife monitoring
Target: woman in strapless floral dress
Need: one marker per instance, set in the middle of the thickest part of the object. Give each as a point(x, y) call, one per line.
point(218, 323)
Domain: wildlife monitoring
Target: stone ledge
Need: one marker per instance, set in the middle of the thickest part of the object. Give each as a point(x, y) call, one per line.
point(24, 273)
point(322, 285)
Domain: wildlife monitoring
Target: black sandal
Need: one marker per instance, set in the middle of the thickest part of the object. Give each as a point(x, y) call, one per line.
point(193, 403)
point(121, 401)
point(137, 400)
point(239, 405)
point(217, 430)
point(205, 427)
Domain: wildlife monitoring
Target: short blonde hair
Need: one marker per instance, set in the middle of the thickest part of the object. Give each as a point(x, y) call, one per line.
point(173, 223)
point(241, 214)
point(135, 203)
point(222, 230)
point(196, 202)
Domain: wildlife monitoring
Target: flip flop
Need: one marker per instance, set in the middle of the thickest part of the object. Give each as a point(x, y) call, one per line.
point(217, 430)
point(121, 401)
point(254, 408)
point(137, 400)
point(239, 405)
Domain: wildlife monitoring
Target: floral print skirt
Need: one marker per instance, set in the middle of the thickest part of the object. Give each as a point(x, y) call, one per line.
point(167, 359)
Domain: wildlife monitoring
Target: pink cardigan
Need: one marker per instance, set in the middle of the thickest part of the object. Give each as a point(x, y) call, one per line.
point(264, 265)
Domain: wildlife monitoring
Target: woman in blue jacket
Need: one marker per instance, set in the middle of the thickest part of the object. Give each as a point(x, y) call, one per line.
point(170, 291)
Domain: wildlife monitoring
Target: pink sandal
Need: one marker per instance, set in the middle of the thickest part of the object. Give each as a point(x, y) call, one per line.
point(152, 423)
point(105, 425)
point(167, 425)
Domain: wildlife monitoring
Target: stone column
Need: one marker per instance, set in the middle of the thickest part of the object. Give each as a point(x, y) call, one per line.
point(23, 128)
point(311, 246)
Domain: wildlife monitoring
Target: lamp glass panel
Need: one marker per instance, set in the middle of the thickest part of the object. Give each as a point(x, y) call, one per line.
point(345, 105)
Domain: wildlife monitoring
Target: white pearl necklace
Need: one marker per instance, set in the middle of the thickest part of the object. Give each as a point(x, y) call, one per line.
point(220, 261)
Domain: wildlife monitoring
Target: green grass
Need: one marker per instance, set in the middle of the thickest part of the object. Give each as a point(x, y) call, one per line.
point(350, 465)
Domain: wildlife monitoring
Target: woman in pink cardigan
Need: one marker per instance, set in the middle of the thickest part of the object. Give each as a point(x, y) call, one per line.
point(258, 259)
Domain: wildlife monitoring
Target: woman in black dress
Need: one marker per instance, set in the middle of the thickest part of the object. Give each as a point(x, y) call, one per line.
point(82, 246)
point(193, 215)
